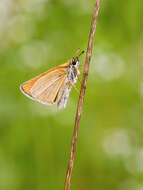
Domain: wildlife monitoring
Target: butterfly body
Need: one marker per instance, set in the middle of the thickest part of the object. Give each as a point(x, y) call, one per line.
point(54, 85)
point(72, 72)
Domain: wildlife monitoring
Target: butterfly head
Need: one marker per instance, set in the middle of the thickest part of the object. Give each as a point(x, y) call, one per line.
point(75, 61)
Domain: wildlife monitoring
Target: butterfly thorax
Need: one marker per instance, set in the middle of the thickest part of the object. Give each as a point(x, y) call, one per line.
point(72, 71)
point(72, 74)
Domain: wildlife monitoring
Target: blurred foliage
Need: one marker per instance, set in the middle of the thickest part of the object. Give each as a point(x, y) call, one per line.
point(35, 139)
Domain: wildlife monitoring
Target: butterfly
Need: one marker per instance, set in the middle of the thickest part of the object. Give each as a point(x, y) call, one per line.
point(54, 86)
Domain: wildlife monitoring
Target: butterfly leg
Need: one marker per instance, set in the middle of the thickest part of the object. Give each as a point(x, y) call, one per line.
point(74, 87)
point(79, 79)
point(77, 74)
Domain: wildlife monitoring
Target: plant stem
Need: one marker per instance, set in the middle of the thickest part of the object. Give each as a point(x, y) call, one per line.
point(82, 93)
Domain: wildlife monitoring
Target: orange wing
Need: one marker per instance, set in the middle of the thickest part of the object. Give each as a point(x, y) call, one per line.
point(45, 87)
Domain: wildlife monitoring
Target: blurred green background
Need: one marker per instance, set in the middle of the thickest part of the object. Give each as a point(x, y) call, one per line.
point(35, 139)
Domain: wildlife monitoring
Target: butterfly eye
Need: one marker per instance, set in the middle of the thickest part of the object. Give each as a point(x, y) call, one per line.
point(73, 62)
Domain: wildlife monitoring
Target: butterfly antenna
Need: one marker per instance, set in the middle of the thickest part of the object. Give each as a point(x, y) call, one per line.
point(80, 53)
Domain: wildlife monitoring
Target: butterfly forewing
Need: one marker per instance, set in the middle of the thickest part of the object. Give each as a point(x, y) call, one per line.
point(49, 93)
point(44, 88)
